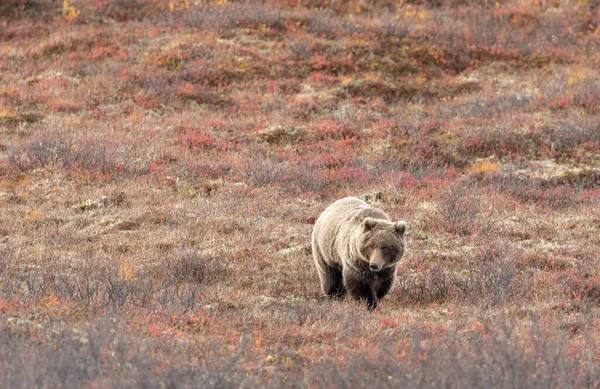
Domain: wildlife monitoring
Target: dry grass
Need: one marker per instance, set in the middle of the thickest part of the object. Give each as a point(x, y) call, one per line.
point(162, 164)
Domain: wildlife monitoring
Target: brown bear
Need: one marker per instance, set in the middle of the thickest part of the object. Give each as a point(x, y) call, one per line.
point(356, 249)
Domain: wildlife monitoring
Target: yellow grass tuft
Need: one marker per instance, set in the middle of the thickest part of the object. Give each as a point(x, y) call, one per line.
point(484, 168)
point(69, 12)
point(32, 215)
point(7, 113)
point(126, 271)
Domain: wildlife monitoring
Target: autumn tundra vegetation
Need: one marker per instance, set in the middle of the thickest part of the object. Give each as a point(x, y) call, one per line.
point(162, 164)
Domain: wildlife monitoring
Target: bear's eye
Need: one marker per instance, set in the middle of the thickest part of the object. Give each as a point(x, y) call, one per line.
point(388, 251)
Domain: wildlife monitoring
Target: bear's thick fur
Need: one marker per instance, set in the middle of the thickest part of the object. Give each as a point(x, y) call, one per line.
point(356, 249)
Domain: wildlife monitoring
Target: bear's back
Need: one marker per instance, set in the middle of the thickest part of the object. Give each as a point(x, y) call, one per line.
point(341, 211)
point(334, 227)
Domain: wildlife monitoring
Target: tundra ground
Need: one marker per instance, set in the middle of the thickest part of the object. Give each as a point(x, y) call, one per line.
point(162, 164)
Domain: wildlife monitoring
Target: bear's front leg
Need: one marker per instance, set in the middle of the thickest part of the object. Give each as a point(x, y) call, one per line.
point(385, 285)
point(359, 288)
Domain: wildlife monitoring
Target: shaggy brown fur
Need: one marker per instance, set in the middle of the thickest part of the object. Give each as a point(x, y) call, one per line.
point(356, 249)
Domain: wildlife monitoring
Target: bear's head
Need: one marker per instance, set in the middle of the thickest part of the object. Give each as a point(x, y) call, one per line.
point(382, 242)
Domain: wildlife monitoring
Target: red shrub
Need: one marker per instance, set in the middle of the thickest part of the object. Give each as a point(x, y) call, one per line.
point(196, 139)
point(329, 129)
point(346, 174)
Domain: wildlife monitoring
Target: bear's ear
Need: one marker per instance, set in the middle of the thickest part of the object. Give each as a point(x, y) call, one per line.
point(400, 227)
point(369, 223)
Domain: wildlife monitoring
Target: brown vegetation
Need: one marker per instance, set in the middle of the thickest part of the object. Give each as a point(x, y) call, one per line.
point(162, 163)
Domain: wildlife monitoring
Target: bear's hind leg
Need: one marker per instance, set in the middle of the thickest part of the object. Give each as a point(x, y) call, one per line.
point(331, 280)
point(333, 283)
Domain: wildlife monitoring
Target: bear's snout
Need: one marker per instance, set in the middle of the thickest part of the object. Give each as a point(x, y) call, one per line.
point(376, 260)
point(374, 266)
